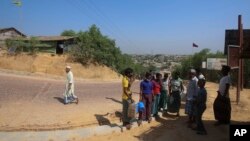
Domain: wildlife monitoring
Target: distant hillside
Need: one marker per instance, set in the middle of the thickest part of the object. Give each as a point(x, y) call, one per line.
point(55, 65)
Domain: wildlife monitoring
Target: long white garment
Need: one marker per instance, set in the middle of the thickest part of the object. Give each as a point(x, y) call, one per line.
point(69, 80)
point(192, 88)
point(223, 81)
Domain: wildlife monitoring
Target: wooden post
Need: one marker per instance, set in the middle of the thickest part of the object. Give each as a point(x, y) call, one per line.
point(242, 60)
point(240, 70)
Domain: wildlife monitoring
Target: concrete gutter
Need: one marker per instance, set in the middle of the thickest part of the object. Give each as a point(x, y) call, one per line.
point(64, 135)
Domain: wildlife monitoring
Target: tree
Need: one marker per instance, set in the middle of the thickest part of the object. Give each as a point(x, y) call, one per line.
point(195, 61)
point(92, 46)
point(82, 51)
point(32, 45)
point(68, 33)
point(17, 43)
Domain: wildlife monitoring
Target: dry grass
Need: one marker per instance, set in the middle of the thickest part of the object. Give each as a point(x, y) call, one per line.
point(54, 65)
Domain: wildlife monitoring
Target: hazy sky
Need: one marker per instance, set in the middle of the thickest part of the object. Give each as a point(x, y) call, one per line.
point(138, 26)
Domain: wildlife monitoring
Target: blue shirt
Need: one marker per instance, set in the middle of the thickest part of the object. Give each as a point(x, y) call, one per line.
point(201, 98)
point(146, 87)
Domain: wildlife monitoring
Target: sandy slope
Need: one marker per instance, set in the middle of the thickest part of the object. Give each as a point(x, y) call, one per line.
point(54, 65)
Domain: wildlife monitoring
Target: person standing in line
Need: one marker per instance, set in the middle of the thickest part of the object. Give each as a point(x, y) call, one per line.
point(157, 83)
point(175, 89)
point(199, 74)
point(126, 96)
point(200, 107)
point(192, 90)
point(164, 93)
point(222, 104)
point(146, 95)
point(69, 94)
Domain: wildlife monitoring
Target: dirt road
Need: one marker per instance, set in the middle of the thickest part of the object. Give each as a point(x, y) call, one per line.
point(31, 103)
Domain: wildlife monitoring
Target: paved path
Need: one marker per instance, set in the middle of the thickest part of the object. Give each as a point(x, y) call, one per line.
point(31, 103)
point(32, 109)
point(59, 135)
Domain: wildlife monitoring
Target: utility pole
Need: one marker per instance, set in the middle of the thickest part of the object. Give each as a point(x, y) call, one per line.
point(240, 70)
point(18, 3)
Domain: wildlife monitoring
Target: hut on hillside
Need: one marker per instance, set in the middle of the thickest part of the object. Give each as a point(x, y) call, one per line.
point(9, 33)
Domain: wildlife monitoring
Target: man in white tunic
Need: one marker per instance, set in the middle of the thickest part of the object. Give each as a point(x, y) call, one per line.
point(69, 95)
point(192, 91)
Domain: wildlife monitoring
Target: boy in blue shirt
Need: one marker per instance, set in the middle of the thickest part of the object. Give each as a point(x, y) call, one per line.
point(200, 106)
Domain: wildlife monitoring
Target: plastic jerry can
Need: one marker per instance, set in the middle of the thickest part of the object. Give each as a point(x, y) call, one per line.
point(132, 110)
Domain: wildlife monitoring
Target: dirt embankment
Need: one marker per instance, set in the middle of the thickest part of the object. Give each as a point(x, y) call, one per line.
point(54, 65)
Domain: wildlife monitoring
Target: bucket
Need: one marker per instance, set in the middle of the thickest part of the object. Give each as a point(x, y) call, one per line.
point(140, 106)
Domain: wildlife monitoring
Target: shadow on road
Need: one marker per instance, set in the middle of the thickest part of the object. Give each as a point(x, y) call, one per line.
point(174, 128)
point(61, 100)
point(104, 119)
point(115, 100)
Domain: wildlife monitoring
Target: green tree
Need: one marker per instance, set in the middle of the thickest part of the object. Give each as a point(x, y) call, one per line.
point(195, 61)
point(32, 45)
point(17, 43)
point(82, 51)
point(92, 46)
point(68, 33)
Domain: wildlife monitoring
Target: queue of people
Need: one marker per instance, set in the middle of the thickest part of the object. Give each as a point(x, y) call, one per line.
point(164, 94)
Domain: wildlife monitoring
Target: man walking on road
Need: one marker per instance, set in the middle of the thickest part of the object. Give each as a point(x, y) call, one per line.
point(69, 95)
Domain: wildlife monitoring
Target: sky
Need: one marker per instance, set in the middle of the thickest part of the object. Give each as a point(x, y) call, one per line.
point(137, 26)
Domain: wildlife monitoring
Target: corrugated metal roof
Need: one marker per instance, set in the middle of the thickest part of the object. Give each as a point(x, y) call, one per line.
point(52, 38)
point(11, 28)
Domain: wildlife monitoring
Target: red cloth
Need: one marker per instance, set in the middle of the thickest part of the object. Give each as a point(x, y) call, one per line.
point(156, 87)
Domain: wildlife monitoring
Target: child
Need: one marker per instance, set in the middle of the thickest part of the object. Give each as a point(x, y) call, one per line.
point(200, 106)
